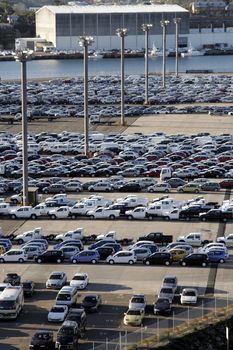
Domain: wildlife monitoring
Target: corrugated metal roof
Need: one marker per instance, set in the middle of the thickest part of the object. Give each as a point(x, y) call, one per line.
point(66, 9)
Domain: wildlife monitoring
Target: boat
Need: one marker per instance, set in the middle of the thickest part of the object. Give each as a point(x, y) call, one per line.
point(96, 55)
point(155, 52)
point(192, 52)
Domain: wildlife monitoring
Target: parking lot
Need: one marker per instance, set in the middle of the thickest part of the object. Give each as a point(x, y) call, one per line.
point(116, 284)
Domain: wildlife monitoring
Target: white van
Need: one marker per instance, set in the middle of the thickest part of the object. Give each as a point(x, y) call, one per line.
point(67, 296)
point(11, 302)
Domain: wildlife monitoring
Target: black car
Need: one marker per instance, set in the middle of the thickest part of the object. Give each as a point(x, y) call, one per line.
point(162, 306)
point(212, 173)
point(80, 317)
point(104, 252)
point(216, 215)
point(158, 258)
point(28, 288)
point(191, 212)
point(51, 256)
point(92, 302)
point(195, 259)
point(67, 336)
point(130, 187)
point(42, 340)
point(13, 278)
point(210, 186)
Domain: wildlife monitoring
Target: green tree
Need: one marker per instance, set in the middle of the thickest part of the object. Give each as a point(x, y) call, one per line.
point(26, 24)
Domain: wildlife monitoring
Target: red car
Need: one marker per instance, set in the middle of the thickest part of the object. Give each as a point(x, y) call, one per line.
point(228, 183)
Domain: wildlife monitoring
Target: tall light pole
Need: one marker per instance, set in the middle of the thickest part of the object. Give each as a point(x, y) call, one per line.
point(177, 22)
point(85, 41)
point(23, 57)
point(164, 23)
point(146, 28)
point(122, 33)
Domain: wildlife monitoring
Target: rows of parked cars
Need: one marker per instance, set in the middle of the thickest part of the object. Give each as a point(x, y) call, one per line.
point(129, 207)
point(174, 158)
point(51, 98)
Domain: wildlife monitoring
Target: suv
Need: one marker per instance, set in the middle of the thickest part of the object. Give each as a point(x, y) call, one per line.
point(67, 336)
point(42, 340)
point(80, 317)
point(51, 256)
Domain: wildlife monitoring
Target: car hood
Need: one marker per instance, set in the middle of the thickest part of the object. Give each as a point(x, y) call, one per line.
point(64, 340)
point(89, 304)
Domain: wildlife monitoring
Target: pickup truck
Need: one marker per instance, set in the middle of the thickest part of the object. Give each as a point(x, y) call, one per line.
point(5, 208)
point(76, 234)
point(194, 239)
point(24, 212)
point(81, 209)
point(133, 201)
point(137, 213)
point(61, 199)
point(157, 237)
point(103, 213)
point(228, 240)
point(59, 213)
point(28, 236)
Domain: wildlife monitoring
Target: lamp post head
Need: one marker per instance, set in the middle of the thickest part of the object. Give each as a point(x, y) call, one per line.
point(146, 27)
point(23, 56)
point(121, 32)
point(164, 23)
point(86, 41)
point(176, 20)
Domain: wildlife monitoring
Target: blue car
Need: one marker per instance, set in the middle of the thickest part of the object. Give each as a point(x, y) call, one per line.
point(6, 243)
point(86, 256)
point(116, 246)
point(100, 243)
point(217, 256)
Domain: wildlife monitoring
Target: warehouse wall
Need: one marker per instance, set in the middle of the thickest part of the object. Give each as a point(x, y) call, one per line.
point(45, 25)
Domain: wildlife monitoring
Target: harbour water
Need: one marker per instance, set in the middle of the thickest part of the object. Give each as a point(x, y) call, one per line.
point(133, 66)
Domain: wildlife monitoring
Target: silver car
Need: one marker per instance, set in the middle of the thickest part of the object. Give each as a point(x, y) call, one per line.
point(141, 253)
point(69, 251)
point(166, 293)
point(56, 280)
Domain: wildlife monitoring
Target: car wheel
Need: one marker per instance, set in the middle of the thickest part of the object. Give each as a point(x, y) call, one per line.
point(51, 237)
point(74, 261)
point(112, 217)
point(183, 263)
point(166, 191)
point(39, 261)
point(73, 217)
point(46, 191)
point(91, 217)
point(58, 261)
point(111, 262)
point(129, 217)
point(180, 190)
point(33, 216)
point(147, 263)
point(203, 264)
point(13, 216)
point(21, 260)
point(20, 241)
point(61, 192)
point(91, 189)
point(187, 219)
point(14, 201)
point(221, 261)
point(166, 218)
point(93, 261)
point(197, 191)
point(151, 191)
point(53, 217)
point(203, 219)
point(224, 220)
point(150, 217)
point(167, 263)
point(216, 190)
point(130, 262)
point(1, 260)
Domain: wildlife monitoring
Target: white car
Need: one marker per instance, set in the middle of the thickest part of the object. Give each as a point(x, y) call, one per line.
point(160, 187)
point(138, 302)
point(137, 213)
point(188, 296)
point(122, 257)
point(58, 313)
point(24, 212)
point(80, 280)
point(57, 279)
point(14, 255)
point(101, 186)
point(59, 213)
point(103, 213)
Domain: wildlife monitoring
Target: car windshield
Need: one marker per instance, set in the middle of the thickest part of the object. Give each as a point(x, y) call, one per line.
point(166, 290)
point(91, 299)
point(137, 300)
point(7, 304)
point(62, 296)
point(162, 302)
point(44, 336)
point(57, 309)
point(189, 293)
point(55, 277)
point(169, 280)
point(66, 331)
point(133, 312)
point(79, 278)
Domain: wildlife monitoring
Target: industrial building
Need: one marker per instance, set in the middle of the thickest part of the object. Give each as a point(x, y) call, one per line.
point(63, 25)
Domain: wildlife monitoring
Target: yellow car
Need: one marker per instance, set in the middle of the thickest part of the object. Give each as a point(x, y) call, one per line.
point(2, 249)
point(178, 254)
point(134, 317)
